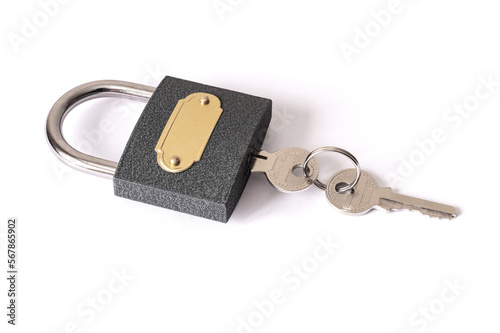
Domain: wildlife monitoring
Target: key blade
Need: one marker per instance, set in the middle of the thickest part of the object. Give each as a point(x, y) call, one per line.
point(279, 167)
point(261, 162)
point(389, 200)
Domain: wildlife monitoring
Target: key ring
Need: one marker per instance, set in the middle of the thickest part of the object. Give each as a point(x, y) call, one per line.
point(335, 150)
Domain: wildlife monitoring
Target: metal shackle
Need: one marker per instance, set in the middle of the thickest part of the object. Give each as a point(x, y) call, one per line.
point(83, 93)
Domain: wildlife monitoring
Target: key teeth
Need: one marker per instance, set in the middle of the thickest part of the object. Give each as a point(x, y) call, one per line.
point(392, 206)
point(440, 216)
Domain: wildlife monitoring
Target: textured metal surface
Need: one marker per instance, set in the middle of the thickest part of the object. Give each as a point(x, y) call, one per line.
point(367, 195)
point(279, 167)
point(211, 187)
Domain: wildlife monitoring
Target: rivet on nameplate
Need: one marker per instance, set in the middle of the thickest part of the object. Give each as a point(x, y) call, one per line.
point(205, 99)
point(175, 160)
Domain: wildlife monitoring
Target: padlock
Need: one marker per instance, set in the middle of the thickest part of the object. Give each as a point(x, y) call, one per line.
point(189, 151)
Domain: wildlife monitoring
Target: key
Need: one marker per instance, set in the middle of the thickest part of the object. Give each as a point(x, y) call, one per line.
point(279, 167)
point(367, 195)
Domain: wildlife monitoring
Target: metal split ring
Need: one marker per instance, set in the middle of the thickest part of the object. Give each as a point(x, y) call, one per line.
point(335, 150)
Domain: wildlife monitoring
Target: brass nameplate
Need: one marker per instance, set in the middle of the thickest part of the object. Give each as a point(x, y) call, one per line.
point(187, 132)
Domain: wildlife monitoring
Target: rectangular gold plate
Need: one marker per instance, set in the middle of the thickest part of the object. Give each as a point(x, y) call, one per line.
point(187, 132)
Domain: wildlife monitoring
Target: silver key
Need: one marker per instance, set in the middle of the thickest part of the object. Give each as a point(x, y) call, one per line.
point(367, 195)
point(279, 167)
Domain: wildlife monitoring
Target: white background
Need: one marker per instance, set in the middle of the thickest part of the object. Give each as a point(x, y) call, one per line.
point(195, 275)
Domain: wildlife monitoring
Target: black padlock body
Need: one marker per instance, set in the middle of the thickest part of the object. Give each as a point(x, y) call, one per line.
point(211, 187)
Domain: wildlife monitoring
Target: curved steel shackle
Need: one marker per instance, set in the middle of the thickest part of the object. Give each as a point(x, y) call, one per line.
point(76, 96)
